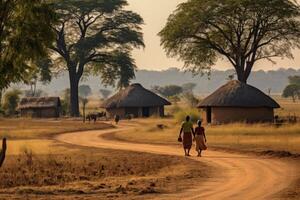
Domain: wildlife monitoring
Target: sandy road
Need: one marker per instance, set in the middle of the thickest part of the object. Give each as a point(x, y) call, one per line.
point(241, 177)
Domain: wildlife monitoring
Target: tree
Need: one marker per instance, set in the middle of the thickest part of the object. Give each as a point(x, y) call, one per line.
point(168, 91)
point(25, 34)
point(294, 80)
point(95, 37)
point(41, 72)
point(293, 91)
point(11, 101)
point(241, 31)
point(65, 102)
point(188, 87)
point(105, 93)
point(37, 93)
point(84, 91)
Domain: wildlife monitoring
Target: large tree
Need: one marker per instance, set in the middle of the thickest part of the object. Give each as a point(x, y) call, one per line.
point(94, 36)
point(25, 34)
point(241, 31)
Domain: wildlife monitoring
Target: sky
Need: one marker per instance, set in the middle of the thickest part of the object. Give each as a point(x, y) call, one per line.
point(153, 57)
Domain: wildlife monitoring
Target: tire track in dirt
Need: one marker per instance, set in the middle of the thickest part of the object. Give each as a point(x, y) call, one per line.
point(240, 176)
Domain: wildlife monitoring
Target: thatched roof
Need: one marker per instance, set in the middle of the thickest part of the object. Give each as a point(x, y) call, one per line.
point(238, 94)
point(39, 102)
point(134, 96)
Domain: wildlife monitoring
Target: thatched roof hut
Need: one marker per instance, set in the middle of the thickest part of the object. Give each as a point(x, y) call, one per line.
point(40, 107)
point(237, 101)
point(136, 101)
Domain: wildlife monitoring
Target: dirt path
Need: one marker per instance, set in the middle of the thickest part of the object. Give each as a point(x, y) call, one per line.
point(240, 177)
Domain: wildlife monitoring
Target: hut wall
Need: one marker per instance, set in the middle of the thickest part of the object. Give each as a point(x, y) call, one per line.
point(157, 111)
point(231, 115)
point(116, 111)
point(40, 112)
point(228, 115)
point(135, 112)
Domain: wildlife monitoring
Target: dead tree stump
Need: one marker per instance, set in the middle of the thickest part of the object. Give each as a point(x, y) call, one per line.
point(3, 152)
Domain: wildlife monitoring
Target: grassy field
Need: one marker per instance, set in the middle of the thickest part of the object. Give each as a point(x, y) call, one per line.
point(32, 129)
point(97, 174)
point(39, 167)
point(248, 137)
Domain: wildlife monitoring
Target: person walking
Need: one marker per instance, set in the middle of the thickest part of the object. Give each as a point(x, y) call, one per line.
point(186, 135)
point(200, 138)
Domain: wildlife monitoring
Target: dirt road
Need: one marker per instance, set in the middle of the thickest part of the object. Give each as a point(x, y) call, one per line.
point(240, 177)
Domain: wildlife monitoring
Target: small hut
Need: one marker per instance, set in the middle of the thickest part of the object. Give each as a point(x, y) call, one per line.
point(42, 107)
point(135, 101)
point(237, 102)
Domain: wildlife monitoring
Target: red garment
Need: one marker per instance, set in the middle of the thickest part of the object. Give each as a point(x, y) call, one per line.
point(199, 131)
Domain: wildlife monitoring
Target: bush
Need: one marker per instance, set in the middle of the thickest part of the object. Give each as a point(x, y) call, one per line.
point(11, 101)
point(193, 113)
point(191, 99)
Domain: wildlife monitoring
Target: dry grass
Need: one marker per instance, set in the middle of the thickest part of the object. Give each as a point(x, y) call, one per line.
point(288, 107)
point(259, 137)
point(32, 129)
point(100, 173)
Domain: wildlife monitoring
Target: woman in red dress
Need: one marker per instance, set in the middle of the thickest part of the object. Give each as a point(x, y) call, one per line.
point(200, 138)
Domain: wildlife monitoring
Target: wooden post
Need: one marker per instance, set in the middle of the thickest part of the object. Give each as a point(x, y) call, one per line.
point(3, 152)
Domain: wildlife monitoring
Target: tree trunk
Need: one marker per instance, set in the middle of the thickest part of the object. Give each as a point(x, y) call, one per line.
point(1, 92)
point(74, 99)
point(3, 152)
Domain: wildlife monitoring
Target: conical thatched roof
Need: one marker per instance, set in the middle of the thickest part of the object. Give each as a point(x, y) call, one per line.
point(39, 102)
point(135, 95)
point(238, 94)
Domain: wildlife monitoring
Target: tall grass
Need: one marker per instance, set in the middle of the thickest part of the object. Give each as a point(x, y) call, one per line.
point(193, 113)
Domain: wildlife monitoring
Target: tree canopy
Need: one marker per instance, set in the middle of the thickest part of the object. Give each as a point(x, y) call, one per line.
point(25, 34)
point(168, 91)
point(241, 31)
point(96, 36)
point(293, 88)
point(84, 91)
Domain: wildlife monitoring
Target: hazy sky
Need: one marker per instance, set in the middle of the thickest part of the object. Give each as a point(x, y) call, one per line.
point(153, 57)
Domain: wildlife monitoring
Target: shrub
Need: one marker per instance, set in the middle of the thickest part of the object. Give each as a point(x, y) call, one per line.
point(193, 113)
point(11, 101)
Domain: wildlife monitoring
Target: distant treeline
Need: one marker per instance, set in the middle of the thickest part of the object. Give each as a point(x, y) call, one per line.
point(274, 81)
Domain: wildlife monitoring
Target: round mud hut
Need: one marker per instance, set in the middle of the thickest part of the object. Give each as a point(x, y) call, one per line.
point(237, 102)
point(135, 101)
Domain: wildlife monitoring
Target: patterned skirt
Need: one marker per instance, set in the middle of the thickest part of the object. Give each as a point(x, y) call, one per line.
point(200, 142)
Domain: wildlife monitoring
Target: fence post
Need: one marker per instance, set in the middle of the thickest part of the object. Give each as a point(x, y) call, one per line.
point(3, 152)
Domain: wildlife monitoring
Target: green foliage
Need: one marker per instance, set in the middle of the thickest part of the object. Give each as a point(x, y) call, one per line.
point(25, 34)
point(241, 31)
point(294, 80)
point(11, 101)
point(193, 113)
point(293, 91)
point(96, 37)
point(168, 91)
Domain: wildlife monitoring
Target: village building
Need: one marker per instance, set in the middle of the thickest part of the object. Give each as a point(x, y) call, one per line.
point(40, 107)
point(237, 102)
point(135, 101)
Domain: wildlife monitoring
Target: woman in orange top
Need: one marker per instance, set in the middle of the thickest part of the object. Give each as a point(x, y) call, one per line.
point(187, 139)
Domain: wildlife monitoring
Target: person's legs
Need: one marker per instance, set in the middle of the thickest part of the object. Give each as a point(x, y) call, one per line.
point(184, 151)
point(188, 153)
point(200, 153)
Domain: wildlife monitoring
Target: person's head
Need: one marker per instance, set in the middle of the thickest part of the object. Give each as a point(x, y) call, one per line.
point(199, 122)
point(187, 118)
